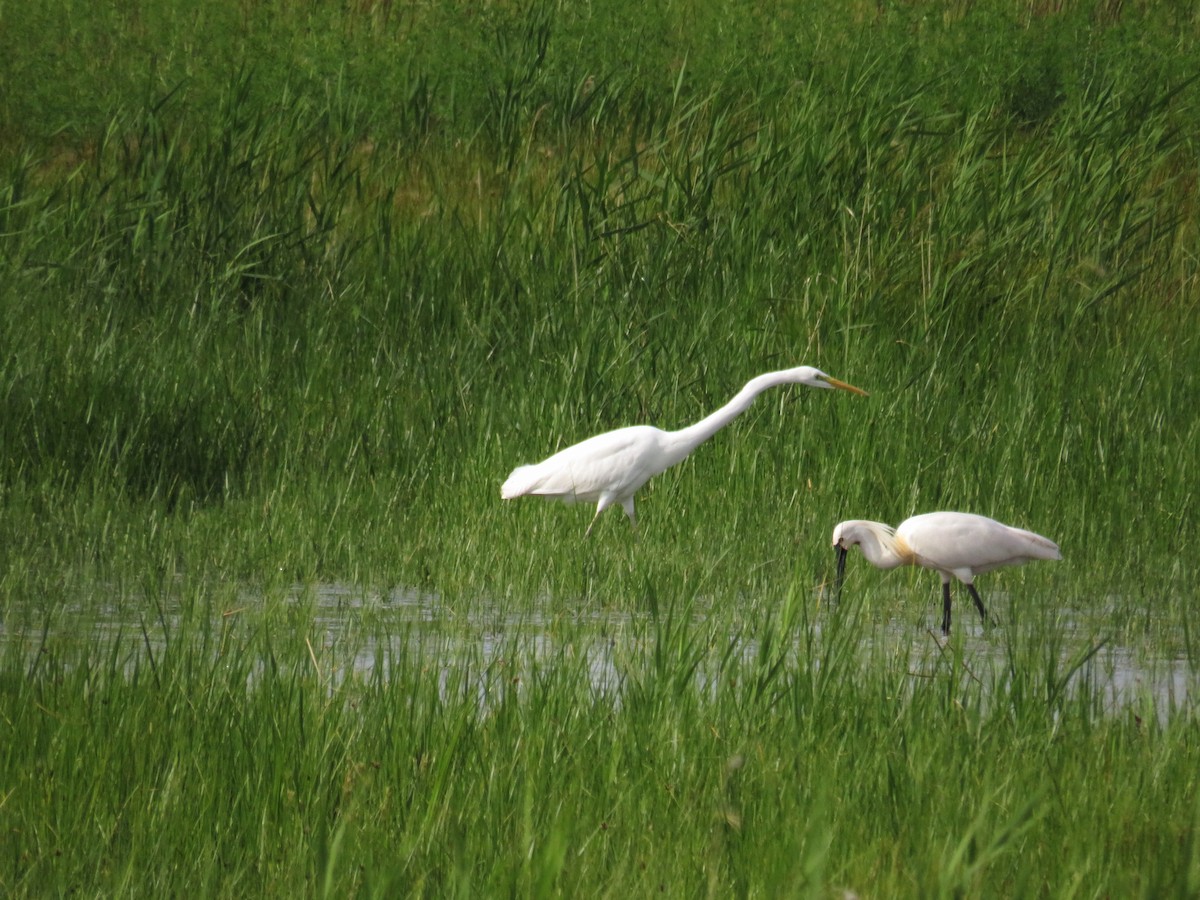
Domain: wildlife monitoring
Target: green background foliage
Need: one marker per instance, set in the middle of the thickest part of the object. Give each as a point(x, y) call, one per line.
point(287, 289)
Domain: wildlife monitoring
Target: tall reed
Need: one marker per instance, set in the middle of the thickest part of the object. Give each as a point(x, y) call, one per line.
point(287, 321)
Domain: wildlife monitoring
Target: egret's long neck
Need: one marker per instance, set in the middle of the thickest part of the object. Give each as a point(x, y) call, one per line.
point(880, 545)
point(678, 444)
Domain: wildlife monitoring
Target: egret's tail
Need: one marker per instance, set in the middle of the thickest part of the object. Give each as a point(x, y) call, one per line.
point(519, 483)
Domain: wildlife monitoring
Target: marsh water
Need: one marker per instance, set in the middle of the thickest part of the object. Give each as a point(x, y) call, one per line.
point(349, 633)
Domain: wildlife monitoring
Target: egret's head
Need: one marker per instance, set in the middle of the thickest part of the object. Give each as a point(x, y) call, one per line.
point(811, 377)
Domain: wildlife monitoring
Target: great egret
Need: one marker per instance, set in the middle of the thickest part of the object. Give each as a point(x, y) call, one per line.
point(610, 467)
point(955, 544)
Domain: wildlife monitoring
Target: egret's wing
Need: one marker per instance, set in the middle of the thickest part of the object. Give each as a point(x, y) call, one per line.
point(616, 462)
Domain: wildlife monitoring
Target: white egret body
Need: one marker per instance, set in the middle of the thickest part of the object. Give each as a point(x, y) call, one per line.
point(609, 468)
point(954, 544)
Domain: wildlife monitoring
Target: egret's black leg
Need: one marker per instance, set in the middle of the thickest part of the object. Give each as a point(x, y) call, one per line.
point(978, 603)
point(945, 607)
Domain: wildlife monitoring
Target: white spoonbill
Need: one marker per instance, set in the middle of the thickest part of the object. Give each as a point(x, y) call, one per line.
point(607, 469)
point(955, 544)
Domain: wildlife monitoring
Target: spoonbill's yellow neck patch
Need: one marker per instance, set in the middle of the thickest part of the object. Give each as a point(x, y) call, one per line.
point(902, 549)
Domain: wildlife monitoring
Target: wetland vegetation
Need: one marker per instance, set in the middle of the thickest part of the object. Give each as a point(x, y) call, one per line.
point(286, 291)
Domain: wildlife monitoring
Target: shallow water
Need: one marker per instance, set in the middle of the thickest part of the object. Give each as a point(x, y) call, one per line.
point(351, 633)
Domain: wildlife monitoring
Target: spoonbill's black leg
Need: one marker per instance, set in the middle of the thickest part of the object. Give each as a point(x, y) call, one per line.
point(945, 607)
point(978, 603)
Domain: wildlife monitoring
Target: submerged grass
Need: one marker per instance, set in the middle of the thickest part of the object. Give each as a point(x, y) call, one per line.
point(289, 317)
point(794, 754)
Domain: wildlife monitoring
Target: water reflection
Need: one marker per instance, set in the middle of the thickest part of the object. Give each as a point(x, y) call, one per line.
point(352, 633)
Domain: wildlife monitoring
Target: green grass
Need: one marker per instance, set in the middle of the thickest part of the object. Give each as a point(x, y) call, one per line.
point(283, 315)
point(251, 758)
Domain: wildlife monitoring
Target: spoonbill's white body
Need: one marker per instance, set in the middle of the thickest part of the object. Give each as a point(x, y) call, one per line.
point(954, 544)
point(609, 468)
